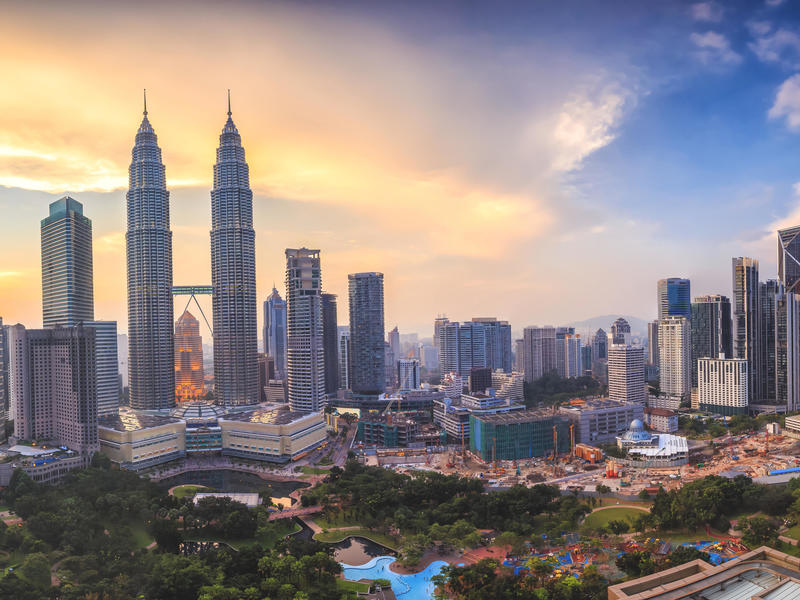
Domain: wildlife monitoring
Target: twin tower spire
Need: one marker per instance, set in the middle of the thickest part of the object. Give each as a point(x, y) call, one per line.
point(149, 265)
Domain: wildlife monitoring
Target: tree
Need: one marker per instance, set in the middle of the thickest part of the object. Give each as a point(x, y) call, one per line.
point(684, 554)
point(100, 461)
point(618, 527)
point(603, 489)
point(758, 531)
point(644, 495)
point(166, 534)
point(36, 569)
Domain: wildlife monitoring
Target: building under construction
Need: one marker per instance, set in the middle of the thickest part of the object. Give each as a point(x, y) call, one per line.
point(518, 435)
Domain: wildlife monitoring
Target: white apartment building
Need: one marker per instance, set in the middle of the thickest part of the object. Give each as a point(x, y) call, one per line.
point(626, 374)
point(722, 385)
point(675, 355)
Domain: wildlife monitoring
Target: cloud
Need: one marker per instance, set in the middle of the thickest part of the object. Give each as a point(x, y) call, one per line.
point(714, 49)
point(706, 11)
point(759, 28)
point(782, 47)
point(787, 103)
point(773, 3)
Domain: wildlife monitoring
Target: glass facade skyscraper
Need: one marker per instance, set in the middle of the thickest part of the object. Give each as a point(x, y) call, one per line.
point(330, 342)
point(275, 331)
point(67, 282)
point(367, 335)
point(711, 330)
point(151, 350)
point(746, 323)
point(789, 258)
point(233, 274)
point(674, 298)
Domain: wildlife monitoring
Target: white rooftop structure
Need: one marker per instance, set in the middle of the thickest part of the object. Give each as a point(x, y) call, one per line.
point(663, 446)
point(249, 499)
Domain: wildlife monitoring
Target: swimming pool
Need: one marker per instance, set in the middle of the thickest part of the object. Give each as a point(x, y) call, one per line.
point(406, 587)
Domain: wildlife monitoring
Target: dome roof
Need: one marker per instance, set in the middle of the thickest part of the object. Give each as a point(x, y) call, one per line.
point(636, 425)
point(637, 433)
point(197, 412)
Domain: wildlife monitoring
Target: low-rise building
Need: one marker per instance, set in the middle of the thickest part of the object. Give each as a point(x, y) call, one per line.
point(509, 386)
point(661, 449)
point(453, 415)
point(661, 419)
point(601, 421)
point(517, 435)
point(136, 440)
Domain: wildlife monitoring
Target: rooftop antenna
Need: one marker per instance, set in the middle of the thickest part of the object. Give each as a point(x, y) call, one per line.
point(229, 103)
point(145, 102)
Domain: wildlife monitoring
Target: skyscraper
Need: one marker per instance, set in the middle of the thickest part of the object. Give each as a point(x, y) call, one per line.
point(722, 385)
point(438, 323)
point(188, 358)
point(408, 374)
point(711, 330)
point(674, 353)
point(233, 274)
point(652, 343)
point(626, 374)
point(539, 352)
point(53, 380)
point(330, 343)
point(344, 357)
point(498, 343)
point(599, 345)
point(67, 283)
point(367, 353)
point(746, 324)
point(620, 332)
point(275, 331)
point(305, 354)
point(106, 366)
point(447, 335)
point(394, 342)
point(151, 351)
point(789, 258)
point(787, 350)
point(768, 294)
point(4, 400)
point(674, 298)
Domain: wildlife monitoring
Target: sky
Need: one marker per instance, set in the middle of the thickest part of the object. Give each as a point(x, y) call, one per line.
point(540, 162)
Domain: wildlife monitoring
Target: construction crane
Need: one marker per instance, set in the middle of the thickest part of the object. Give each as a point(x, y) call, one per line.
point(494, 454)
point(572, 439)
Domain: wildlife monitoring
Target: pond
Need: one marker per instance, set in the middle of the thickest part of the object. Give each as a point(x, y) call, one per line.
point(227, 480)
point(358, 550)
point(406, 587)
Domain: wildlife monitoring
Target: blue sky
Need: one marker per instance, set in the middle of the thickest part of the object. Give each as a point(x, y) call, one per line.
point(540, 162)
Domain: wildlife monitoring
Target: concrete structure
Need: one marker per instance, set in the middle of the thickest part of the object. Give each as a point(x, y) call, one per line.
point(453, 415)
point(67, 280)
point(275, 330)
point(661, 419)
point(249, 499)
point(305, 356)
point(390, 431)
point(107, 370)
point(746, 322)
point(233, 274)
point(188, 358)
point(54, 387)
point(674, 298)
point(722, 385)
point(480, 379)
point(408, 374)
point(663, 449)
point(4, 395)
point(762, 574)
point(787, 350)
point(711, 329)
point(151, 351)
point(509, 386)
point(330, 343)
point(136, 440)
point(344, 357)
point(517, 435)
point(393, 337)
point(568, 353)
point(620, 332)
point(203, 432)
point(674, 354)
point(498, 343)
point(652, 343)
point(789, 258)
point(367, 336)
point(626, 374)
point(452, 385)
point(768, 294)
point(539, 351)
point(600, 345)
point(601, 421)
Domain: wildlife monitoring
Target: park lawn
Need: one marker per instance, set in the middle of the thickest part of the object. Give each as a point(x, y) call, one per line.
point(337, 520)
point(186, 490)
point(352, 586)
point(620, 513)
point(283, 527)
point(314, 470)
point(337, 536)
point(793, 532)
point(681, 536)
point(613, 502)
point(140, 535)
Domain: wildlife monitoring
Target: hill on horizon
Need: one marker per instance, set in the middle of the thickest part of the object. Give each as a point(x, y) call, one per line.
point(592, 324)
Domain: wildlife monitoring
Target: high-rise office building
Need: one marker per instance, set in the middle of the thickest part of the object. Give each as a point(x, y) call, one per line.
point(305, 353)
point(67, 283)
point(652, 343)
point(568, 353)
point(448, 347)
point(233, 274)
point(393, 338)
point(768, 294)
point(586, 359)
point(188, 358)
point(275, 331)
point(539, 352)
point(122, 360)
point(389, 367)
point(106, 358)
point(711, 329)
point(789, 258)
point(4, 399)
point(330, 343)
point(53, 381)
point(408, 376)
point(367, 336)
point(620, 332)
point(599, 345)
point(471, 347)
point(675, 354)
point(787, 350)
point(722, 385)
point(746, 322)
point(151, 351)
point(626, 374)
point(438, 323)
point(674, 298)
point(498, 343)
point(344, 357)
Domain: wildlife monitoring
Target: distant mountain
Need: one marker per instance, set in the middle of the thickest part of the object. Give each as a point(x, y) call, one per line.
point(589, 326)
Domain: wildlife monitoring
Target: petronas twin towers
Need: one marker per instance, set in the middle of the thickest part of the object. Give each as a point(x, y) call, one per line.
point(233, 275)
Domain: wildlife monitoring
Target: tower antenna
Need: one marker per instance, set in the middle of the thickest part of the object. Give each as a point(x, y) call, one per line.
point(145, 102)
point(229, 103)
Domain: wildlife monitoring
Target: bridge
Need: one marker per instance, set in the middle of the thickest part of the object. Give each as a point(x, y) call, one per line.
point(193, 291)
point(294, 512)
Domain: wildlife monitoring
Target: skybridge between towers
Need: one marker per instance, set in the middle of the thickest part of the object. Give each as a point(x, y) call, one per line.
point(193, 291)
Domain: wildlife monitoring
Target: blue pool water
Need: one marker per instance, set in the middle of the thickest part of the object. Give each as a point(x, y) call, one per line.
point(406, 587)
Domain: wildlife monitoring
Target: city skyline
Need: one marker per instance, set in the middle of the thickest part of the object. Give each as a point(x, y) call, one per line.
point(615, 117)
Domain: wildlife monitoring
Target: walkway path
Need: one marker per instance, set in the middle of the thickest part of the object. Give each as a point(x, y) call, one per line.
point(55, 580)
point(294, 512)
point(642, 508)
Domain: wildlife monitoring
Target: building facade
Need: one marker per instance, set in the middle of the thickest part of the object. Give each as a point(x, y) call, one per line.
point(746, 323)
point(621, 332)
point(518, 435)
point(722, 385)
point(148, 240)
point(768, 294)
point(275, 330)
point(626, 374)
point(67, 280)
point(367, 335)
point(106, 356)
point(344, 357)
point(674, 298)
point(652, 343)
point(711, 329)
point(330, 343)
point(188, 358)
point(601, 421)
point(408, 374)
point(789, 258)
point(675, 355)
point(305, 353)
point(539, 351)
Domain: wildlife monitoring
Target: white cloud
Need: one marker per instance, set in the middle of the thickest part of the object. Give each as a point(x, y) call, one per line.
point(773, 3)
point(707, 11)
point(759, 28)
point(782, 47)
point(714, 48)
point(787, 103)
